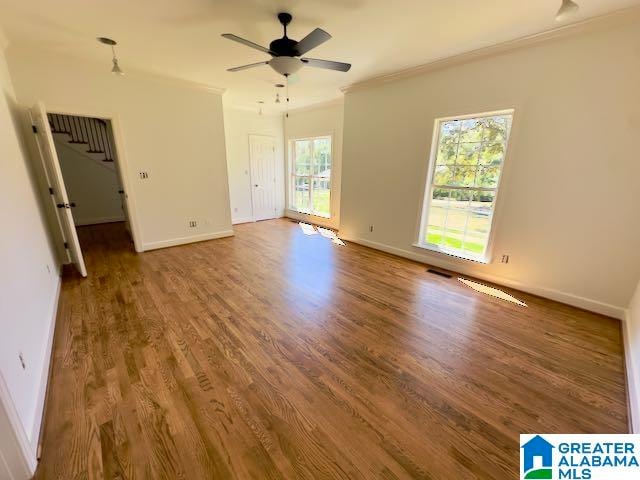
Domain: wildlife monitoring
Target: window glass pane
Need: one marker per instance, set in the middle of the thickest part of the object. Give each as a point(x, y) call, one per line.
point(479, 224)
point(321, 197)
point(470, 130)
point(456, 219)
point(469, 157)
point(488, 177)
point(301, 194)
point(447, 154)
point(302, 157)
point(449, 132)
point(464, 176)
point(437, 212)
point(492, 154)
point(443, 175)
point(468, 154)
point(322, 157)
point(495, 129)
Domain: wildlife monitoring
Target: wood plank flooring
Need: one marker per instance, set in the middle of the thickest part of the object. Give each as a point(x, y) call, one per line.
point(273, 354)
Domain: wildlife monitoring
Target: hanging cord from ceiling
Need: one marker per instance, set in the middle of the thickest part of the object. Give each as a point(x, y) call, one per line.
point(287, 106)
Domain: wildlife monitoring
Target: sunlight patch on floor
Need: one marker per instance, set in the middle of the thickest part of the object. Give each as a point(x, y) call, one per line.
point(494, 292)
point(308, 229)
point(325, 232)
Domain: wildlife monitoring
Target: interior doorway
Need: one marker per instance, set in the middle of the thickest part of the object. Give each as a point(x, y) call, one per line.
point(84, 176)
point(262, 156)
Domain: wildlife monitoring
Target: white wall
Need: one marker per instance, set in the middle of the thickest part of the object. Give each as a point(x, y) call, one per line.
point(170, 129)
point(632, 354)
point(568, 209)
point(29, 280)
point(92, 185)
point(312, 122)
point(238, 125)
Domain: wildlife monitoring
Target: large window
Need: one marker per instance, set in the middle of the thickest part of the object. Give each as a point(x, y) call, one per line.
point(464, 176)
point(310, 179)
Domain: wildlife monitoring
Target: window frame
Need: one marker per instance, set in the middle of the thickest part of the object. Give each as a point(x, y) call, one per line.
point(291, 177)
point(426, 203)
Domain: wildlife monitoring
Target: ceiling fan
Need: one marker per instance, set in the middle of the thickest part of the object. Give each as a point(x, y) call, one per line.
point(287, 53)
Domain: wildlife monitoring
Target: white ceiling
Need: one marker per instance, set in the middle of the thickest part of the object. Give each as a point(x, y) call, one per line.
point(181, 38)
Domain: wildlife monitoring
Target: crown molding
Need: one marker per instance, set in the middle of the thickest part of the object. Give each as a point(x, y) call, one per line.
point(175, 81)
point(626, 15)
point(266, 112)
point(319, 105)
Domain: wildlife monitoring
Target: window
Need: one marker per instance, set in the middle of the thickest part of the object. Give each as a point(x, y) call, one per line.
point(464, 177)
point(310, 179)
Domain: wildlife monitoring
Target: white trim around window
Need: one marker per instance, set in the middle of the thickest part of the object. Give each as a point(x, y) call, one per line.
point(468, 199)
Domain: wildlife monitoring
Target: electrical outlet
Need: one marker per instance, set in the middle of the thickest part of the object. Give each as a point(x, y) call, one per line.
point(371, 228)
point(21, 357)
point(504, 259)
point(143, 175)
point(193, 223)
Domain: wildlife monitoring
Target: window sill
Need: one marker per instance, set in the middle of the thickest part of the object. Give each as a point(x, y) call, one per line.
point(434, 248)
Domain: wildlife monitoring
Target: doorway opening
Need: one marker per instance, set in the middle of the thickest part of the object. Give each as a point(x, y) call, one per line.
point(85, 179)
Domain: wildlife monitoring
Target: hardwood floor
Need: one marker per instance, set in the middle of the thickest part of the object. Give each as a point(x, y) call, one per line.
point(273, 354)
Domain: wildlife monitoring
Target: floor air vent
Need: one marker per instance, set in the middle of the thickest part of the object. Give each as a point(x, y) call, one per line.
point(438, 272)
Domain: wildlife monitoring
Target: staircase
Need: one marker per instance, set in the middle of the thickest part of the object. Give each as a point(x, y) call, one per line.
point(81, 132)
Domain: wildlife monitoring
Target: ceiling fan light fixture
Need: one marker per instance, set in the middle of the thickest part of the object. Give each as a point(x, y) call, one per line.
point(567, 10)
point(286, 65)
point(116, 70)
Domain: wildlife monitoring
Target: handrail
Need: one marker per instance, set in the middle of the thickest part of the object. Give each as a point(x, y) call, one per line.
point(92, 131)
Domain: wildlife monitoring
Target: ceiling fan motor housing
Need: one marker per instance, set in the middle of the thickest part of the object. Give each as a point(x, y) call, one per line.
point(284, 47)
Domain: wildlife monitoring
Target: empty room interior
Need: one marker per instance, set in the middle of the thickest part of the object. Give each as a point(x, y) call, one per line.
point(348, 239)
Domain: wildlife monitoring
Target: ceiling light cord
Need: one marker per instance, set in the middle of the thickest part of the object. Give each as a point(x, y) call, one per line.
point(287, 106)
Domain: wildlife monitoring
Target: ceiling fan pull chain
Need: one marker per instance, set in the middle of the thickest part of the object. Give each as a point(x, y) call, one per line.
point(287, 113)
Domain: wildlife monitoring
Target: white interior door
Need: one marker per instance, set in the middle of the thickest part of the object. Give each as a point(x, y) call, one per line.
point(58, 191)
point(262, 150)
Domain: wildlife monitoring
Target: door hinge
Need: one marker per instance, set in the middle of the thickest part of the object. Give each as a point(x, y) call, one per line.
point(34, 128)
point(66, 245)
point(51, 190)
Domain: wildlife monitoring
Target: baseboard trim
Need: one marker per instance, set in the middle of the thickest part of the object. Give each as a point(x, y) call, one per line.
point(312, 219)
point(551, 294)
point(36, 431)
point(98, 220)
point(174, 242)
point(23, 454)
point(633, 387)
point(237, 221)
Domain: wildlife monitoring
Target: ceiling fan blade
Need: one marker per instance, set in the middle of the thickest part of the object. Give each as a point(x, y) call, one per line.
point(244, 67)
point(246, 42)
point(331, 65)
point(315, 38)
